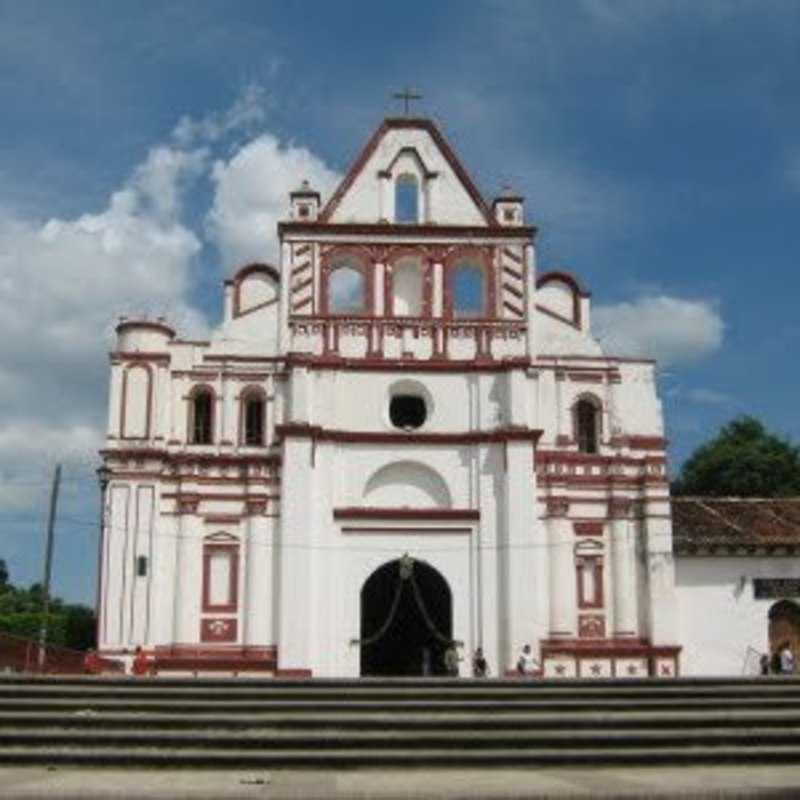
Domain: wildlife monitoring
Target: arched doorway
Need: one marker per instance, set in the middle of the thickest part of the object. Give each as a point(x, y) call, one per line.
point(784, 626)
point(406, 619)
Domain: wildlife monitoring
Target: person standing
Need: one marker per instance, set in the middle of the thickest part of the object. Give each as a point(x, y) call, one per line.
point(480, 669)
point(763, 664)
point(451, 660)
point(526, 663)
point(787, 660)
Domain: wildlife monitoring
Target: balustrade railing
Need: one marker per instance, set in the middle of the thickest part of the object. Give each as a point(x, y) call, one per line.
point(421, 337)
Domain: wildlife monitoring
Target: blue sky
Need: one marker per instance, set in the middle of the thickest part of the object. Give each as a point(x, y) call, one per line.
point(145, 147)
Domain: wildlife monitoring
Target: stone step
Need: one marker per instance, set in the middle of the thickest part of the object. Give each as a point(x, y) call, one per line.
point(249, 687)
point(630, 718)
point(233, 707)
point(189, 689)
point(399, 757)
point(271, 739)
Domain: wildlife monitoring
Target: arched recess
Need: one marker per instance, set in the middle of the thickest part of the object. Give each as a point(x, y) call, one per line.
point(406, 619)
point(255, 286)
point(559, 293)
point(406, 484)
point(252, 416)
point(408, 287)
point(137, 401)
point(784, 626)
point(587, 423)
point(347, 284)
point(201, 415)
point(469, 285)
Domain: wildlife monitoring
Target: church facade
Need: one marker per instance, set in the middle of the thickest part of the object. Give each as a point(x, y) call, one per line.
point(401, 435)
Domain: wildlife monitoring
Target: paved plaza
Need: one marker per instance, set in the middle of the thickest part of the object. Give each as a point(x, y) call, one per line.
point(720, 781)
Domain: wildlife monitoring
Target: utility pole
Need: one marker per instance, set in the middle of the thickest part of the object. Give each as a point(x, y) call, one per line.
point(48, 564)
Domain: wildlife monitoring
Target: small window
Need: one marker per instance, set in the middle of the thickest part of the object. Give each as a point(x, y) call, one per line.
point(407, 411)
point(202, 409)
point(254, 421)
point(586, 419)
point(220, 581)
point(141, 566)
point(346, 291)
point(406, 200)
point(590, 582)
point(469, 291)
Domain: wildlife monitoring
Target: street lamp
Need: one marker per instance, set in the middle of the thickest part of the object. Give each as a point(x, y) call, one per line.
point(103, 477)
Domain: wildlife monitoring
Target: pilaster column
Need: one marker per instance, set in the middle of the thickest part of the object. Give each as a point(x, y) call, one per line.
point(563, 603)
point(623, 562)
point(186, 587)
point(379, 284)
point(438, 289)
point(519, 612)
point(257, 586)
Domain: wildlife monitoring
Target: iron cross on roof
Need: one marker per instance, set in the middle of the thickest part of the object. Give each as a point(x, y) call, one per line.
point(407, 95)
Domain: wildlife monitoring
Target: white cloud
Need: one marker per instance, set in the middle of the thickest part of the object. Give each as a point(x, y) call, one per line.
point(709, 397)
point(248, 112)
point(62, 282)
point(252, 194)
point(670, 329)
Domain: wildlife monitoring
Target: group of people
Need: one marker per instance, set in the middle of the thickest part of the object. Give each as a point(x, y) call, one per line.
point(782, 661)
point(526, 663)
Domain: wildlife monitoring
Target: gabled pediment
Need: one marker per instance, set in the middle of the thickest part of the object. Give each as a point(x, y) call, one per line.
point(413, 150)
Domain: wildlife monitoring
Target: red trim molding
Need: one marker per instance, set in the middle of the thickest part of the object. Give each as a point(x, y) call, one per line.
point(588, 528)
point(646, 443)
point(150, 325)
point(404, 231)
point(622, 648)
point(300, 430)
point(354, 512)
point(393, 365)
point(405, 530)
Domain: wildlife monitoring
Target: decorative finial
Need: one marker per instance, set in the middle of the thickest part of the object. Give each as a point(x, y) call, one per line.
point(407, 95)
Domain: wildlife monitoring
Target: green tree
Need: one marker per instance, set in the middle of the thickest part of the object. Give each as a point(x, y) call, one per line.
point(21, 612)
point(743, 460)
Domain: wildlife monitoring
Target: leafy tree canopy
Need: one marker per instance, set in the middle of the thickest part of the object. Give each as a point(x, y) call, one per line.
point(743, 460)
point(21, 612)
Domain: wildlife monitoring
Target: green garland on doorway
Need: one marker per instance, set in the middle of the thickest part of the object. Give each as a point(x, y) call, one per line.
point(405, 573)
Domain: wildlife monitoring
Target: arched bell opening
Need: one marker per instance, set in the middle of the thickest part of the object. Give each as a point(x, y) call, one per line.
point(406, 620)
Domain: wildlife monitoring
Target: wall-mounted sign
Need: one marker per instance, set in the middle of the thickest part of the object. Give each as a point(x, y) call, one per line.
point(775, 588)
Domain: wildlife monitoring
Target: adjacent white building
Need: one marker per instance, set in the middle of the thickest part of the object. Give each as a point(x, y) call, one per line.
point(737, 581)
point(399, 435)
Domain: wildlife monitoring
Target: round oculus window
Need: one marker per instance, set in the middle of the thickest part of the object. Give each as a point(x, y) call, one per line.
point(407, 411)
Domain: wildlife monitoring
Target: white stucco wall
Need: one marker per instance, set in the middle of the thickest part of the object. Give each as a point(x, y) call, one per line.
point(718, 616)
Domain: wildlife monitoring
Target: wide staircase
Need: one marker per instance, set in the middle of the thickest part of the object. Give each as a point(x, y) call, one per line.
point(249, 723)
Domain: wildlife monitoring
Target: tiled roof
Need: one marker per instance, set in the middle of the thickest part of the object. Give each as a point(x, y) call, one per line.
point(733, 525)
